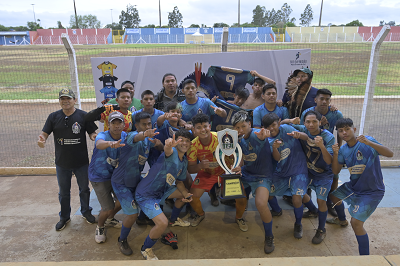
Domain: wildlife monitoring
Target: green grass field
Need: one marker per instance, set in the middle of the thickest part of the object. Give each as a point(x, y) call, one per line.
point(37, 72)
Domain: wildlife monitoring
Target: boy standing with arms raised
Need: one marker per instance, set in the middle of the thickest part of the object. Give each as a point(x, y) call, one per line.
point(365, 189)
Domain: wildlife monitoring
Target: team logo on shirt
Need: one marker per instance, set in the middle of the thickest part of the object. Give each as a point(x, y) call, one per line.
point(250, 157)
point(284, 154)
point(359, 156)
point(60, 141)
point(199, 111)
point(156, 206)
point(272, 188)
point(142, 160)
point(112, 162)
point(133, 204)
point(197, 181)
point(250, 147)
point(170, 179)
point(76, 128)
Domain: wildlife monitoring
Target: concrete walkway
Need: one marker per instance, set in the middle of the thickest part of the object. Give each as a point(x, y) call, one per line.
point(29, 212)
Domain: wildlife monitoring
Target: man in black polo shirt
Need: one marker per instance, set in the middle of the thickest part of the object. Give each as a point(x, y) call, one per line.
point(69, 129)
point(169, 92)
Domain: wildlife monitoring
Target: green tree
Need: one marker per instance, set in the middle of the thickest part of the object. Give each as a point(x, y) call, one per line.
point(175, 18)
point(4, 28)
point(130, 18)
point(259, 18)
point(114, 26)
point(194, 26)
point(272, 17)
point(248, 25)
point(72, 22)
point(220, 25)
point(59, 25)
point(91, 22)
point(355, 23)
point(307, 16)
point(149, 26)
point(290, 24)
point(33, 26)
point(285, 12)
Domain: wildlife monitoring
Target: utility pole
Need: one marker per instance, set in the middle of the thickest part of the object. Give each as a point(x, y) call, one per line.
point(238, 13)
point(320, 14)
point(159, 11)
point(112, 22)
point(76, 17)
point(34, 17)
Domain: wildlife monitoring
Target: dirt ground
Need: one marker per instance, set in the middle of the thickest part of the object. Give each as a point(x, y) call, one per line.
point(20, 130)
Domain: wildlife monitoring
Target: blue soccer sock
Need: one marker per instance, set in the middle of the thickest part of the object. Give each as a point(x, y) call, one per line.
point(141, 216)
point(311, 207)
point(340, 212)
point(175, 213)
point(298, 214)
point(124, 232)
point(268, 229)
point(322, 219)
point(148, 243)
point(274, 205)
point(363, 244)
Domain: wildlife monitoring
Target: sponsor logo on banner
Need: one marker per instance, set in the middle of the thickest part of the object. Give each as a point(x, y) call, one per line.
point(218, 30)
point(165, 30)
point(191, 30)
point(298, 60)
point(248, 30)
point(133, 31)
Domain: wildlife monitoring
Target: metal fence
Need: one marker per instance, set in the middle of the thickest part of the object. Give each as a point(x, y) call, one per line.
point(33, 75)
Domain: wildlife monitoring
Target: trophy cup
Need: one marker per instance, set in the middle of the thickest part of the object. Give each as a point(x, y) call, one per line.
point(231, 184)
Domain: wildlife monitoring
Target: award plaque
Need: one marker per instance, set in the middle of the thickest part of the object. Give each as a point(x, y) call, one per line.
point(231, 183)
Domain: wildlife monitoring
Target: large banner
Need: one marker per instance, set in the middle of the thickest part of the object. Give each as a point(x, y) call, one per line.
point(147, 71)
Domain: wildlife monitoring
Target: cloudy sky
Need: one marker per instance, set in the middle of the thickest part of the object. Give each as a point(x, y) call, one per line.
point(369, 12)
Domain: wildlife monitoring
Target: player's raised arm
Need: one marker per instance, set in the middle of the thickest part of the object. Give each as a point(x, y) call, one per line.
point(325, 154)
point(42, 139)
point(219, 111)
point(102, 144)
point(275, 152)
point(298, 135)
point(382, 150)
point(267, 80)
point(149, 133)
point(336, 167)
point(169, 144)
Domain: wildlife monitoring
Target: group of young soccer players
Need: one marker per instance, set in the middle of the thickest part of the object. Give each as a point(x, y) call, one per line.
point(281, 156)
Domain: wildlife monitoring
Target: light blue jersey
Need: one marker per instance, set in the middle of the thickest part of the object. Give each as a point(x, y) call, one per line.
point(162, 176)
point(364, 167)
point(261, 110)
point(293, 160)
point(257, 157)
point(154, 118)
point(131, 161)
point(165, 131)
point(317, 167)
point(331, 116)
point(202, 105)
point(104, 161)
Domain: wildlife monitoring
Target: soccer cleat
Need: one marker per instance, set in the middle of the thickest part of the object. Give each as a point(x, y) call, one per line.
point(213, 198)
point(148, 254)
point(89, 218)
point(319, 236)
point(310, 214)
point(170, 239)
point(242, 224)
point(112, 222)
point(298, 231)
point(179, 222)
point(197, 219)
point(61, 224)
point(336, 220)
point(100, 235)
point(331, 210)
point(269, 245)
point(124, 247)
point(274, 213)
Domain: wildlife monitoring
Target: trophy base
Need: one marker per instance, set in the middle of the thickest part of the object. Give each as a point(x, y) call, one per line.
point(231, 187)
